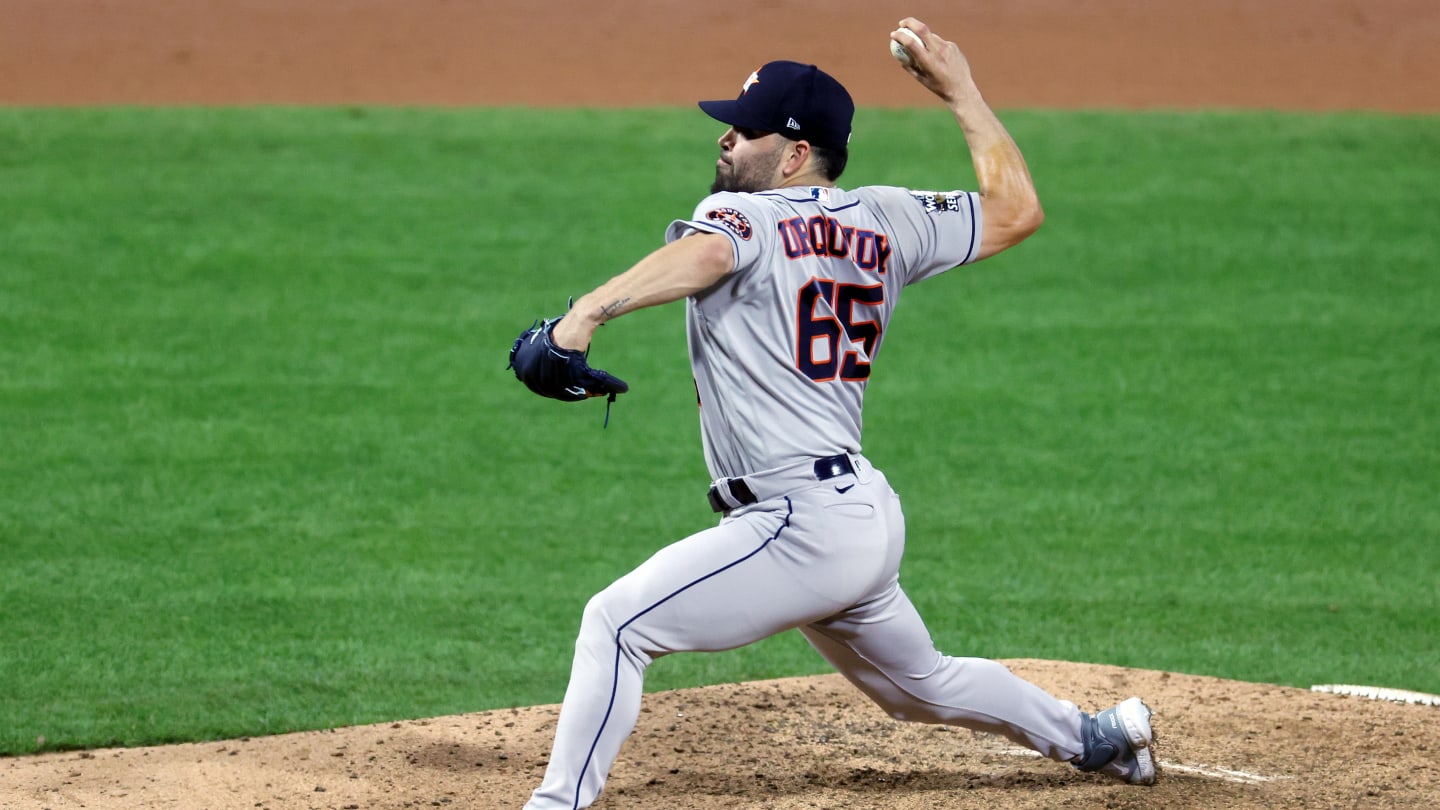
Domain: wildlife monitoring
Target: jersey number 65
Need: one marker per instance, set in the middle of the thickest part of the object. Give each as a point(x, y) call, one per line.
point(829, 311)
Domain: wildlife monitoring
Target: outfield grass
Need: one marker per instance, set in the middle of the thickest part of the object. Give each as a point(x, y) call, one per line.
point(262, 469)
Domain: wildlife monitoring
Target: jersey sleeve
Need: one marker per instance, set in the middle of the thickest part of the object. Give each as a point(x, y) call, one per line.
point(941, 228)
point(746, 220)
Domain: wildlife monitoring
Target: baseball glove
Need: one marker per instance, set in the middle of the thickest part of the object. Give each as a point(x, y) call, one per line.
point(562, 374)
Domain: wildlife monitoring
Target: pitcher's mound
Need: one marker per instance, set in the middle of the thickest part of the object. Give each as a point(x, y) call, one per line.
point(794, 743)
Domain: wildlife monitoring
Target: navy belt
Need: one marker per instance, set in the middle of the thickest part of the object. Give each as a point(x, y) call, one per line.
point(825, 469)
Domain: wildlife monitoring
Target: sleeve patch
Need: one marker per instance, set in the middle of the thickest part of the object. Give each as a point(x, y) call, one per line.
point(735, 221)
point(936, 201)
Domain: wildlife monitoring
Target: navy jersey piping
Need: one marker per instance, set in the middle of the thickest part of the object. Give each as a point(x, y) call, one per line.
point(974, 232)
point(807, 200)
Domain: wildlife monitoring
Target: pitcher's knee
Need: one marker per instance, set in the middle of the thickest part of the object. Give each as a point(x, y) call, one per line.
point(914, 713)
point(597, 615)
point(603, 628)
point(599, 619)
point(598, 626)
point(914, 708)
point(980, 668)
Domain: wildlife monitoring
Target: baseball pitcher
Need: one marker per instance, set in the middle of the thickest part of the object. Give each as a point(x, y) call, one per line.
point(789, 282)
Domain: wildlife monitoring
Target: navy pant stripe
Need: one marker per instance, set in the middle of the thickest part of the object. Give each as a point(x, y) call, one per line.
point(615, 683)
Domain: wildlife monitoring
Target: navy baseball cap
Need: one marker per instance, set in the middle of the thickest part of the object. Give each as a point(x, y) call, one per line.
point(801, 102)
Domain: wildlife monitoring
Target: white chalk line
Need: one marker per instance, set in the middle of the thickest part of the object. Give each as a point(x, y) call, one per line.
point(1223, 774)
point(1206, 771)
point(1378, 693)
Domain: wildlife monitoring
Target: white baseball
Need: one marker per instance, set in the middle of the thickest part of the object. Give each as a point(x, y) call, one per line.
point(901, 52)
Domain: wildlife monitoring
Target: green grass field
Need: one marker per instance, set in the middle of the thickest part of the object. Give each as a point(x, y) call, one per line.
point(262, 467)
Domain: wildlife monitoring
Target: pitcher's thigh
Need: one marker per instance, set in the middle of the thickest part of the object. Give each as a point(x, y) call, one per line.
point(719, 589)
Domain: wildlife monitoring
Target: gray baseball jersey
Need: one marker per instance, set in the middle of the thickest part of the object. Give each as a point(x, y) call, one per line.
point(782, 348)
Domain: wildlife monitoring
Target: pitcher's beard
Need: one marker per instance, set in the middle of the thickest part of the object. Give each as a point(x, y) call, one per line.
point(756, 174)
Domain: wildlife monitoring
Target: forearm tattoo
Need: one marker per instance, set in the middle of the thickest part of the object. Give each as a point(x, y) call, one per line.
point(614, 309)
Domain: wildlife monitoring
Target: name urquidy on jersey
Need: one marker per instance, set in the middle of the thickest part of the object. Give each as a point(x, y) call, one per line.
point(825, 236)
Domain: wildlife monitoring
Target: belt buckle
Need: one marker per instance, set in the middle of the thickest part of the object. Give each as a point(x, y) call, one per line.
point(833, 467)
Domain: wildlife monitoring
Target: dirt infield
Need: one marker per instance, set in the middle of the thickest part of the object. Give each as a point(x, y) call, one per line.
point(795, 743)
point(1297, 54)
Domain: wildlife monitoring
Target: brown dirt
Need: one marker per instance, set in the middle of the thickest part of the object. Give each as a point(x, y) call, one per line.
point(795, 743)
point(1297, 54)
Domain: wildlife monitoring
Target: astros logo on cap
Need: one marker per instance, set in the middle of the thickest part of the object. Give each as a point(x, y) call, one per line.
point(754, 77)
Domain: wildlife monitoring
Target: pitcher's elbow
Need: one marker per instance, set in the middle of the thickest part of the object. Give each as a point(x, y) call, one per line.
point(1023, 221)
point(1031, 221)
point(1003, 232)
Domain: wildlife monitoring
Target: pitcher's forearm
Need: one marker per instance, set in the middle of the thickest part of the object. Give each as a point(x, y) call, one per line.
point(1012, 205)
point(679, 269)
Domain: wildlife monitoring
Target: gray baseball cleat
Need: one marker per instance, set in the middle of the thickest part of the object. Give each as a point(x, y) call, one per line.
point(1117, 743)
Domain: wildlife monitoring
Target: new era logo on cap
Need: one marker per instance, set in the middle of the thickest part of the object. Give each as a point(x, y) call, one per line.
point(781, 95)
